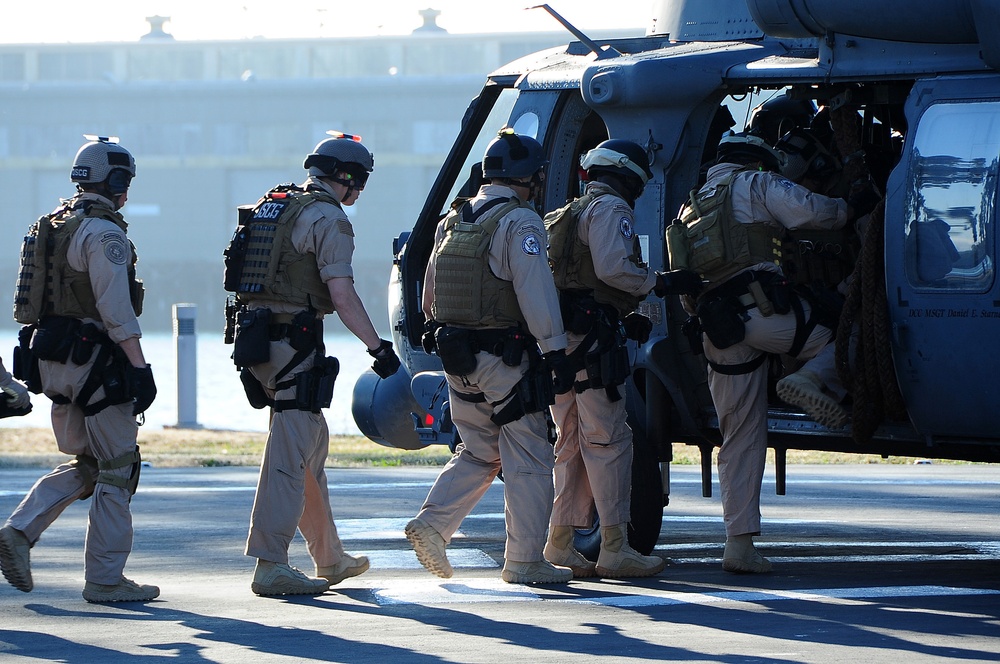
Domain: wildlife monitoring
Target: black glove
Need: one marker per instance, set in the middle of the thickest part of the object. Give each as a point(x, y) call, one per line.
point(677, 282)
point(563, 375)
point(386, 361)
point(863, 199)
point(143, 388)
point(637, 327)
point(427, 340)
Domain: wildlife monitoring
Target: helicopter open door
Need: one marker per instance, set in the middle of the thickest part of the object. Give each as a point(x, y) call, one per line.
point(940, 249)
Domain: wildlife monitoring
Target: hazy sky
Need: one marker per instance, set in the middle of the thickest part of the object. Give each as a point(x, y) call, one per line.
point(31, 21)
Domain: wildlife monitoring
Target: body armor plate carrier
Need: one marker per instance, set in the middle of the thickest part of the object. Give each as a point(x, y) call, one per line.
point(466, 292)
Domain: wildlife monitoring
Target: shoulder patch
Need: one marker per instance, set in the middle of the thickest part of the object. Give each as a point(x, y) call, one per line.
point(785, 182)
point(530, 245)
point(530, 227)
point(344, 226)
point(114, 249)
point(625, 228)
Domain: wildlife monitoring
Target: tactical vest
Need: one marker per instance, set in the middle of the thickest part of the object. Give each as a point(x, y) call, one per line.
point(46, 284)
point(571, 260)
point(717, 245)
point(466, 292)
point(262, 263)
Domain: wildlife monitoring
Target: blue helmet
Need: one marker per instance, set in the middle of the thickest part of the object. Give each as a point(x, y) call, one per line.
point(511, 155)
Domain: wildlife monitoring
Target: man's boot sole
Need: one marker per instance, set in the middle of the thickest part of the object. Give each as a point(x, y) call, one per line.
point(431, 562)
point(7, 567)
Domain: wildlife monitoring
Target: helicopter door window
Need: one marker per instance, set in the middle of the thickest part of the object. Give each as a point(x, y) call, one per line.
point(951, 197)
point(471, 174)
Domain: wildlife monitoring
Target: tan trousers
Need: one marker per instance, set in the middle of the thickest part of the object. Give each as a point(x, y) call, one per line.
point(104, 436)
point(521, 447)
point(291, 489)
point(741, 403)
point(593, 456)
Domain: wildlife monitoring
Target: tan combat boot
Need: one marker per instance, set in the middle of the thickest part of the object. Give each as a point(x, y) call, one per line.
point(15, 558)
point(559, 551)
point(126, 590)
point(271, 579)
point(429, 546)
point(347, 567)
point(540, 571)
point(741, 557)
point(618, 560)
point(805, 390)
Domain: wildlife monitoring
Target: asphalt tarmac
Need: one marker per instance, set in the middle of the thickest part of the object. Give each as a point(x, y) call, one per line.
point(873, 563)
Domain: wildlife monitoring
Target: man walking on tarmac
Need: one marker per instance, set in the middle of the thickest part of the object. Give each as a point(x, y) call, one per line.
point(290, 265)
point(489, 287)
point(79, 300)
point(601, 277)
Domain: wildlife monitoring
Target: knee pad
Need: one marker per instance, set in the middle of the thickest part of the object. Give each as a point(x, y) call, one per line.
point(131, 482)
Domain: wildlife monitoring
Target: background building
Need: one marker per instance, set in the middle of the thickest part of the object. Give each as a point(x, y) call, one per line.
point(214, 124)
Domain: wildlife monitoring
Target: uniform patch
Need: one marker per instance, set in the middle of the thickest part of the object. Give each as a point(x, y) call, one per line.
point(531, 246)
point(115, 251)
point(345, 227)
point(784, 182)
point(625, 228)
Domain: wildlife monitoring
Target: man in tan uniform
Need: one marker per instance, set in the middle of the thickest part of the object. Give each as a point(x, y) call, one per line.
point(489, 284)
point(767, 318)
point(601, 278)
point(280, 343)
point(80, 302)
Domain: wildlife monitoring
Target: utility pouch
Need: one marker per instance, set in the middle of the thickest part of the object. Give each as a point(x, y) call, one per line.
point(86, 340)
point(454, 347)
point(229, 333)
point(535, 390)
point(614, 367)
point(253, 337)
point(304, 331)
point(53, 338)
point(513, 347)
point(314, 388)
point(305, 390)
point(764, 305)
point(254, 390)
point(691, 328)
point(722, 321)
point(116, 378)
point(25, 366)
point(606, 368)
point(580, 314)
point(326, 377)
point(779, 291)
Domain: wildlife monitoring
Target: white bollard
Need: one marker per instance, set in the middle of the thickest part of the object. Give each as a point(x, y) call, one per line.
point(186, 342)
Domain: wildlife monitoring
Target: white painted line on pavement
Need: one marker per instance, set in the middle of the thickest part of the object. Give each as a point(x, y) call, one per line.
point(466, 591)
point(451, 591)
point(386, 559)
point(758, 596)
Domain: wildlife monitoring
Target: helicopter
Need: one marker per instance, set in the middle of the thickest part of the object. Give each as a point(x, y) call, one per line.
point(909, 94)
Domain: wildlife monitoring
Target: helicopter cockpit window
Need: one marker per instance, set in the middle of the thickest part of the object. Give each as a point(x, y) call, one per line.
point(952, 197)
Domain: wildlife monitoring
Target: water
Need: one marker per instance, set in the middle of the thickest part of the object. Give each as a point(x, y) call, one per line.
point(221, 401)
